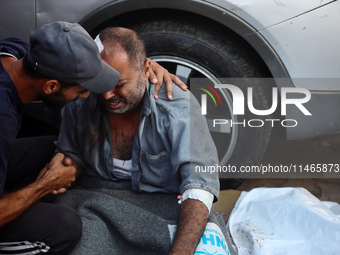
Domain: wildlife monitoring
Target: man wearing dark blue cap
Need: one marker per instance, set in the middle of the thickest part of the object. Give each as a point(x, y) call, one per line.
point(61, 64)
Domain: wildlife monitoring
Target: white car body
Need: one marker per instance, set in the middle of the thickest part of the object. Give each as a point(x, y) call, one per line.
point(297, 41)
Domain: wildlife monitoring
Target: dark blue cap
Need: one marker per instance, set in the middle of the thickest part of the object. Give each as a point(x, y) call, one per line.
point(66, 52)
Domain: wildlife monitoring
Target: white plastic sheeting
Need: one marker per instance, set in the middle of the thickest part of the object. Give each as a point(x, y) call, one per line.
point(277, 221)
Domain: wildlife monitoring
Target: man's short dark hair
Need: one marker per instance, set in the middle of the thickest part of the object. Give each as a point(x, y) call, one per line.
point(29, 70)
point(130, 41)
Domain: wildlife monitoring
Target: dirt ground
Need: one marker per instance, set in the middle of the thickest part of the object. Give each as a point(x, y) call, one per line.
point(317, 150)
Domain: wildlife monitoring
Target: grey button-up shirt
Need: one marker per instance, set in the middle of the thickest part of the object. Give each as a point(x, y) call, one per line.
point(171, 145)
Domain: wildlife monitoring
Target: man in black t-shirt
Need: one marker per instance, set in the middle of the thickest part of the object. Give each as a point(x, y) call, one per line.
point(61, 65)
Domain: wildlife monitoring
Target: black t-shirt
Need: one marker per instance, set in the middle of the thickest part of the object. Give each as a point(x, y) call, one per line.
point(11, 106)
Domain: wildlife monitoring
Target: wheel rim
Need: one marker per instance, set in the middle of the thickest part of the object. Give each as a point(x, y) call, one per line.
point(186, 69)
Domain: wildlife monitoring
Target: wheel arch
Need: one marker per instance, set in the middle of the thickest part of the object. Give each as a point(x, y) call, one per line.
point(122, 11)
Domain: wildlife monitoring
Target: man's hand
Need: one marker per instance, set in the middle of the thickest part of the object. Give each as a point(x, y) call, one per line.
point(68, 162)
point(53, 177)
point(59, 173)
point(191, 224)
point(158, 75)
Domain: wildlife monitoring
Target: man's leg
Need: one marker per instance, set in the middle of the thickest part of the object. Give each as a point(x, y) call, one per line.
point(28, 156)
point(44, 227)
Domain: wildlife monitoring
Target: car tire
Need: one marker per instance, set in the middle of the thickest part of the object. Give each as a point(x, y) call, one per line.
point(212, 52)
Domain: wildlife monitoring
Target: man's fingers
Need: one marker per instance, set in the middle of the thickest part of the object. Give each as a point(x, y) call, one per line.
point(67, 161)
point(58, 157)
point(178, 82)
point(160, 75)
point(168, 86)
point(59, 191)
point(152, 77)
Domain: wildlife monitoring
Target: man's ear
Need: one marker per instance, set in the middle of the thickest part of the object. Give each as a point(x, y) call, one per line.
point(146, 70)
point(51, 86)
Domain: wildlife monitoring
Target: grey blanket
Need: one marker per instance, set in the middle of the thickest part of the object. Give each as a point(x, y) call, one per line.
point(117, 220)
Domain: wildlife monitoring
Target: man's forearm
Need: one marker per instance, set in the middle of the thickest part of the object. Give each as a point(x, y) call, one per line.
point(13, 204)
point(191, 224)
point(54, 176)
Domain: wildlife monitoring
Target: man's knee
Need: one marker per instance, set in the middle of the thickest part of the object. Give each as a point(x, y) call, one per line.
point(58, 228)
point(29, 155)
point(68, 230)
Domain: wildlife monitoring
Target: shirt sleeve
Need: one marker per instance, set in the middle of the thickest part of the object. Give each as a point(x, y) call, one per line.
point(14, 46)
point(68, 140)
point(192, 147)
